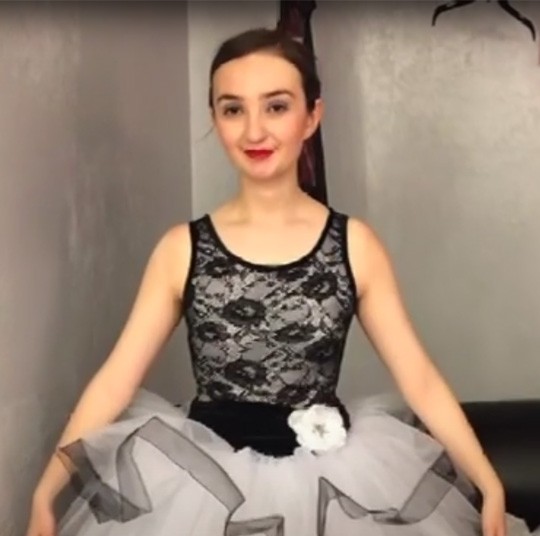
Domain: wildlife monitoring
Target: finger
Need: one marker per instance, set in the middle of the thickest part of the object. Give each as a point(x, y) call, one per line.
point(498, 529)
point(504, 528)
point(488, 529)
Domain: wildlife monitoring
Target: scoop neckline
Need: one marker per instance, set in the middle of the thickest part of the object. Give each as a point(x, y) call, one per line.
point(271, 267)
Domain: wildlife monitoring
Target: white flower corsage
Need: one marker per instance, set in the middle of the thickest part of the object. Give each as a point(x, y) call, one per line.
point(319, 428)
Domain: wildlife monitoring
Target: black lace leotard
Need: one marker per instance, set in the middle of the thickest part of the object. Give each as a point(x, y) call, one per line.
point(266, 339)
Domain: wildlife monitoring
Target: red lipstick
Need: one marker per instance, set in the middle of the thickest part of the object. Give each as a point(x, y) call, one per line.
point(258, 154)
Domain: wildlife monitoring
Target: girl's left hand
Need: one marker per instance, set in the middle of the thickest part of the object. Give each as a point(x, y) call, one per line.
point(493, 514)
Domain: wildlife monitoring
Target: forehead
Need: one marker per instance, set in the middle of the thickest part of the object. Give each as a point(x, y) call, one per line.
point(256, 74)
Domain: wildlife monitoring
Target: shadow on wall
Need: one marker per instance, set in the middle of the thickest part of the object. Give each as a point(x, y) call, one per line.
point(504, 4)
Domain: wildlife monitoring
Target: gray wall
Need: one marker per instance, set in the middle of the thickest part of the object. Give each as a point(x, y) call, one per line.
point(432, 135)
point(94, 166)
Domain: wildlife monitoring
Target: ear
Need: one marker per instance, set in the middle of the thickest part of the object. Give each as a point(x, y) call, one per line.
point(314, 119)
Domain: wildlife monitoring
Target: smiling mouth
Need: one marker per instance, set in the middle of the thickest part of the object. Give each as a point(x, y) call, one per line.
point(259, 154)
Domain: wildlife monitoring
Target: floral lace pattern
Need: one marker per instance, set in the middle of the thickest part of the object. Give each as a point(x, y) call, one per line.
point(272, 334)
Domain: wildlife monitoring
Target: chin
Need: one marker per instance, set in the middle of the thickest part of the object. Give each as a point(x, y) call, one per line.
point(265, 173)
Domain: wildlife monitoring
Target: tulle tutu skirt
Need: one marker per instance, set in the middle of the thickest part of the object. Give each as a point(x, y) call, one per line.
point(157, 472)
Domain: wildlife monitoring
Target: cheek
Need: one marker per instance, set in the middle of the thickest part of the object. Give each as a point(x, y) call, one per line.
point(228, 133)
point(293, 129)
point(289, 130)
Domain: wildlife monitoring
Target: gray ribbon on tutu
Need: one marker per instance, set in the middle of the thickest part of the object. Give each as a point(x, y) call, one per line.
point(132, 500)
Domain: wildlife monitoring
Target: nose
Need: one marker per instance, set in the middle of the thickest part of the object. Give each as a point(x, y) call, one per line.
point(255, 129)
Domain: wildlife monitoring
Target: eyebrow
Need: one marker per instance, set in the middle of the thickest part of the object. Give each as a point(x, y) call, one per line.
point(269, 95)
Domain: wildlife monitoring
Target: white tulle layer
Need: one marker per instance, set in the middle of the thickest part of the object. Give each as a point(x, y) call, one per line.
point(379, 470)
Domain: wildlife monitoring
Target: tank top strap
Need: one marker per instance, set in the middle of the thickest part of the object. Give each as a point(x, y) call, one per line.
point(202, 244)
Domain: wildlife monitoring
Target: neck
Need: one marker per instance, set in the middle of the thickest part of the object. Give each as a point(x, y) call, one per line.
point(270, 200)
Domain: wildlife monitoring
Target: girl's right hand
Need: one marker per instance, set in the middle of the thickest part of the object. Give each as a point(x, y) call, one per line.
point(42, 522)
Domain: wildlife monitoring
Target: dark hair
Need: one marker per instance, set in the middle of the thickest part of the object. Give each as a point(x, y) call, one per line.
point(278, 42)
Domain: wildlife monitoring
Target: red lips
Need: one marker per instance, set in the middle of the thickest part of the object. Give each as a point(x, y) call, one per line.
point(258, 154)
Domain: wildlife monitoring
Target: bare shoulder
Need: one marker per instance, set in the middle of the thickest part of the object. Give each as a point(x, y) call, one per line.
point(173, 252)
point(362, 239)
point(367, 253)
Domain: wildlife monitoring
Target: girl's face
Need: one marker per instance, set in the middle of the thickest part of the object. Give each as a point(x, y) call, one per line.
point(260, 113)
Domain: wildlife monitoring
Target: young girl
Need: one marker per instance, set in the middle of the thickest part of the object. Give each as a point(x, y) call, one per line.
point(268, 284)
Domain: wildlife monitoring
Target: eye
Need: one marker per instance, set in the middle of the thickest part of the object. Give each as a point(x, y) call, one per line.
point(231, 110)
point(278, 107)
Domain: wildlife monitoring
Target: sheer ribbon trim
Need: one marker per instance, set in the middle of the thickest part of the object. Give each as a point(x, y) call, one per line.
point(132, 499)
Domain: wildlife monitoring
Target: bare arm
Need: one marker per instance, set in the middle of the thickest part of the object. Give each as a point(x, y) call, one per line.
point(382, 315)
point(153, 317)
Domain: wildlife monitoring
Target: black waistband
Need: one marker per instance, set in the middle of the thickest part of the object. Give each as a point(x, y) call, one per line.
point(258, 425)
